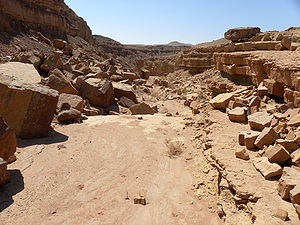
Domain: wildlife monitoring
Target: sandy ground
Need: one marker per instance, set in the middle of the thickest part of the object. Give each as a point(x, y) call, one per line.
point(90, 173)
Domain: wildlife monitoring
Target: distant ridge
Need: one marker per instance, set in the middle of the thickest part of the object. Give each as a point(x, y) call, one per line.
point(176, 43)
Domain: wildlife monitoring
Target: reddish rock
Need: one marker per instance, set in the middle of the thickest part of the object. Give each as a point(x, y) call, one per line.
point(74, 101)
point(52, 62)
point(274, 88)
point(242, 33)
point(129, 75)
point(241, 137)
point(277, 154)
point(266, 137)
point(99, 92)
point(255, 102)
point(69, 115)
point(27, 108)
point(296, 158)
point(260, 120)
point(4, 174)
point(289, 145)
point(126, 102)
point(59, 82)
point(295, 195)
point(141, 109)
point(8, 142)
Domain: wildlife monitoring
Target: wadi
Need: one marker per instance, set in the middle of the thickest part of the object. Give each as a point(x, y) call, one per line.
point(93, 131)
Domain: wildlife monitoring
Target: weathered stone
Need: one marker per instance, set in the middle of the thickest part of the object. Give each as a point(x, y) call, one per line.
point(52, 62)
point(296, 158)
point(237, 114)
point(289, 145)
point(99, 92)
point(295, 194)
point(266, 137)
point(241, 137)
point(69, 115)
point(77, 82)
point(126, 102)
point(286, 42)
point(242, 33)
point(145, 74)
point(262, 90)
point(125, 90)
point(294, 121)
point(141, 109)
point(221, 101)
point(129, 75)
point(294, 46)
point(266, 168)
point(281, 214)
point(242, 154)
point(297, 208)
point(8, 142)
point(59, 43)
point(280, 127)
point(139, 200)
point(23, 71)
point(255, 102)
point(260, 120)
point(75, 101)
point(4, 174)
point(289, 179)
point(27, 108)
point(277, 154)
point(250, 138)
point(274, 88)
point(58, 81)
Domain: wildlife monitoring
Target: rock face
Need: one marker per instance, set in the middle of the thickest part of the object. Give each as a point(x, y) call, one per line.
point(99, 92)
point(242, 33)
point(27, 108)
point(8, 142)
point(51, 17)
point(23, 71)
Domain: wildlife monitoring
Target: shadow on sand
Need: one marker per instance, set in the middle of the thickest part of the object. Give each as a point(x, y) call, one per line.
point(53, 137)
point(10, 189)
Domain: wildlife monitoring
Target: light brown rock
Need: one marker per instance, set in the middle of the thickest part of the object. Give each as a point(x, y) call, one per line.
point(27, 108)
point(289, 145)
point(141, 109)
point(296, 158)
point(260, 120)
point(99, 92)
point(126, 102)
point(242, 154)
point(52, 62)
point(23, 71)
point(295, 194)
point(294, 121)
point(286, 42)
point(266, 137)
point(241, 137)
point(255, 102)
point(125, 90)
point(277, 154)
point(250, 138)
point(289, 179)
point(221, 101)
point(274, 88)
point(266, 168)
point(8, 142)
point(281, 214)
point(4, 174)
point(74, 101)
point(241, 33)
point(237, 114)
point(59, 82)
point(129, 75)
point(69, 115)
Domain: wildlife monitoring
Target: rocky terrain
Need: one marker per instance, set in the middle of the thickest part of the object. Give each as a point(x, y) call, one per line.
point(96, 132)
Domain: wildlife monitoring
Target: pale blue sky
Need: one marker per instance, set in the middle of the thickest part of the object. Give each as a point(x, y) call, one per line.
point(188, 21)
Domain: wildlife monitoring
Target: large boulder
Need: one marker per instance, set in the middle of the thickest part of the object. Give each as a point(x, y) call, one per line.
point(124, 90)
point(266, 137)
point(288, 181)
point(69, 115)
point(277, 154)
point(260, 120)
point(238, 114)
point(52, 62)
point(27, 108)
point(241, 33)
point(22, 71)
point(266, 168)
point(221, 101)
point(59, 82)
point(8, 142)
point(99, 92)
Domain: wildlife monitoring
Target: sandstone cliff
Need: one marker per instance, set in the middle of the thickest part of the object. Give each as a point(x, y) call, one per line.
point(51, 17)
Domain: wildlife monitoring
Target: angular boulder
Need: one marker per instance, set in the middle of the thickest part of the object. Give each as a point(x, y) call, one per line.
point(296, 158)
point(129, 75)
point(294, 121)
point(8, 142)
point(99, 92)
point(250, 138)
point(237, 114)
point(59, 82)
point(124, 90)
point(266, 137)
point(74, 101)
point(141, 109)
point(266, 168)
point(260, 120)
point(126, 102)
point(27, 108)
point(288, 181)
point(241, 33)
point(52, 62)
point(221, 101)
point(277, 154)
point(23, 71)
point(69, 115)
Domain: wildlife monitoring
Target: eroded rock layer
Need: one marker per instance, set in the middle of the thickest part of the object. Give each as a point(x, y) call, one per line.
point(52, 17)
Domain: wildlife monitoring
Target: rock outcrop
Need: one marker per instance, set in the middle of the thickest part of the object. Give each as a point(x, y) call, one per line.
point(51, 17)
